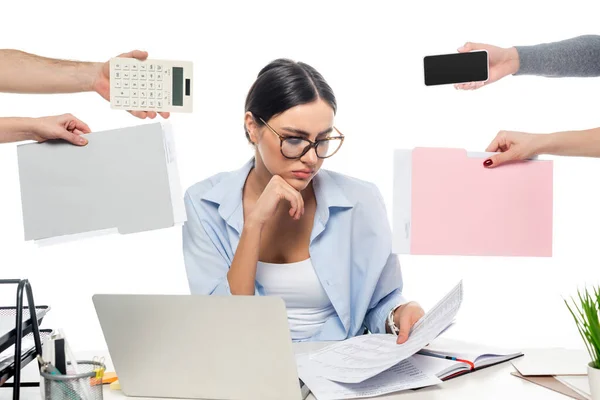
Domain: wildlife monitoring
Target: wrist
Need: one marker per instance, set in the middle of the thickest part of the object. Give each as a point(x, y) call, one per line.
point(253, 225)
point(512, 57)
point(29, 128)
point(90, 74)
point(545, 143)
point(392, 322)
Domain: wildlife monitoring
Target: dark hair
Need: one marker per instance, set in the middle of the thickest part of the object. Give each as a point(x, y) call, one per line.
point(284, 84)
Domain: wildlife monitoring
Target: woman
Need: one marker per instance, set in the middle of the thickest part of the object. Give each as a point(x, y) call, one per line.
point(282, 226)
point(575, 57)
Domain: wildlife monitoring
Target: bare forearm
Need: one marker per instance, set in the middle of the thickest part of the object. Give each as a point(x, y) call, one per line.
point(16, 129)
point(584, 143)
point(242, 273)
point(22, 72)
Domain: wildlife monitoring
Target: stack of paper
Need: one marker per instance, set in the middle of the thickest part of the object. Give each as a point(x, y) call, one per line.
point(125, 180)
point(561, 370)
point(7, 357)
point(578, 383)
point(372, 365)
point(408, 374)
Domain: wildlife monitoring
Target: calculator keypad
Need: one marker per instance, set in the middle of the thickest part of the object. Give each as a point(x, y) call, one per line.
point(140, 85)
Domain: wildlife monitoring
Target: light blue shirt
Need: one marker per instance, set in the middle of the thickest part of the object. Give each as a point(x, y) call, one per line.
point(350, 247)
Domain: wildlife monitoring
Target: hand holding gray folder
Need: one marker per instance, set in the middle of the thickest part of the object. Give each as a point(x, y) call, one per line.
point(125, 180)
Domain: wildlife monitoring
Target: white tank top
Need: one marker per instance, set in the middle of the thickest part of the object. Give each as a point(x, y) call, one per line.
point(307, 304)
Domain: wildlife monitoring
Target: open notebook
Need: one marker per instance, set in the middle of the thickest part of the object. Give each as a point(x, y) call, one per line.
point(374, 364)
point(427, 367)
point(449, 358)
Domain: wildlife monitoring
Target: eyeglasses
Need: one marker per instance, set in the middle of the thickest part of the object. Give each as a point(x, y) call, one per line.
point(294, 147)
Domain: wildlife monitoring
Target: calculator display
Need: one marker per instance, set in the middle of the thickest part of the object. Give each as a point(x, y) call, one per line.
point(177, 86)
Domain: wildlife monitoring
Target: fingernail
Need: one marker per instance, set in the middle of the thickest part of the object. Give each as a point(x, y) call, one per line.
point(82, 140)
point(487, 162)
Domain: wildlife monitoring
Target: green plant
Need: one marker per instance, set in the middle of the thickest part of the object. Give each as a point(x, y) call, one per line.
point(586, 317)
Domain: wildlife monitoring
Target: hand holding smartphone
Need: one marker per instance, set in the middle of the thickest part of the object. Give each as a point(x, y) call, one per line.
point(456, 68)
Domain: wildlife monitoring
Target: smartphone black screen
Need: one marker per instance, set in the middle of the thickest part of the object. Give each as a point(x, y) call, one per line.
point(456, 68)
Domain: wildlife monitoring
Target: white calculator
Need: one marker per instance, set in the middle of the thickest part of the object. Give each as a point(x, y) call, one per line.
point(151, 85)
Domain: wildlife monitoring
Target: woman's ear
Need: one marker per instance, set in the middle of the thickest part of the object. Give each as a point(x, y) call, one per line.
point(251, 127)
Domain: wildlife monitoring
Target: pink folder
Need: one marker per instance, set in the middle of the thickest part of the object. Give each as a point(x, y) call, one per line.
point(459, 207)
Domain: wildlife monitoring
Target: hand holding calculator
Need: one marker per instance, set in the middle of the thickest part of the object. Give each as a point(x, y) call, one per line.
point(151, 85)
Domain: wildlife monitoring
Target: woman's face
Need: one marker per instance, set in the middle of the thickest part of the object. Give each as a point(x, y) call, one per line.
point(310, 121)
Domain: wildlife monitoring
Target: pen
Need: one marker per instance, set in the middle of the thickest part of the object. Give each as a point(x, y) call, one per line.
point(471, 365)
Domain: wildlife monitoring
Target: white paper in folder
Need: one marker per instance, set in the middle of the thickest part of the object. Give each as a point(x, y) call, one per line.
point(124, 181)
point(362, 357)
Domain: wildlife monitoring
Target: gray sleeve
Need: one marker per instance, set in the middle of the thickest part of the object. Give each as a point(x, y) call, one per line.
point(576, 57)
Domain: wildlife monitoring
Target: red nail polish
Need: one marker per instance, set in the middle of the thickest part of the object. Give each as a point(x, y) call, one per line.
point(487, 162)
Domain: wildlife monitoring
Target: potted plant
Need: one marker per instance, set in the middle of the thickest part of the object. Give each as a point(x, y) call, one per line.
point(586, 313)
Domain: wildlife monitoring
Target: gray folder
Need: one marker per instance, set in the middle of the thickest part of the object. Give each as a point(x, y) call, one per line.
point(119, 180)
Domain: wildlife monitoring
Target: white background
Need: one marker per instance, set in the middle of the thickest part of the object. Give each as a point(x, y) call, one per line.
point(372, 57)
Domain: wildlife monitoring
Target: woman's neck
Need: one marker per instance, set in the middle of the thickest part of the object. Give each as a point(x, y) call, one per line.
point(259, 177)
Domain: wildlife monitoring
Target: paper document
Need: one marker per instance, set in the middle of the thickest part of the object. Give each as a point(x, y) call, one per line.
point(408, 374)
point(434, 364)
point(8, 356)
point(554, 361)
point(179, 214)
point(479, 354)
point(578, 383)
point(552, 383)
point(362, 357)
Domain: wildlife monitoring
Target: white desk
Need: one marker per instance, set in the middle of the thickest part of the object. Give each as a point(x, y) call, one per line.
point(490, 383)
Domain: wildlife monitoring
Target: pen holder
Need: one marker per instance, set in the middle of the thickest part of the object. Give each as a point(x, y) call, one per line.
point(84, 385)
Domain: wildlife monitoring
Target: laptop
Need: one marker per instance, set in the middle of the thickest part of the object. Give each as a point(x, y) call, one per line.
point(200, 347)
